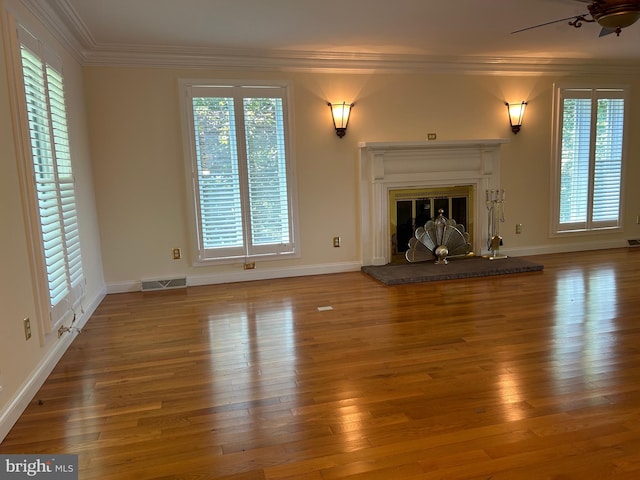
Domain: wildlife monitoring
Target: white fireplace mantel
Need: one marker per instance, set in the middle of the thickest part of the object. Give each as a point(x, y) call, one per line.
point(386, 166)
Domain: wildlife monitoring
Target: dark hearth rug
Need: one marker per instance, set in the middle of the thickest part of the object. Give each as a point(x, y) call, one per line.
point(395, 274)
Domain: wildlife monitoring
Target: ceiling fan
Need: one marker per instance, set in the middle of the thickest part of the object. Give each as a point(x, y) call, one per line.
point(611, 15)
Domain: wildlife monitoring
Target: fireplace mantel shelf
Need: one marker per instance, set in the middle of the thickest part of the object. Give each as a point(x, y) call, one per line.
point(491, 142)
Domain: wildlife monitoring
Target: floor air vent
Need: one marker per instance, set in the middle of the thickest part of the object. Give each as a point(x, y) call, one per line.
point(151, 285)
point(634, 243)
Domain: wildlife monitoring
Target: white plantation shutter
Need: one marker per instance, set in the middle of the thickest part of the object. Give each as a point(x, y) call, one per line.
point(267, 173)
point(52, 176)
point(591, 156)
point(608, 161)
point(576, 148)
point(218, 176)
point(241, 171)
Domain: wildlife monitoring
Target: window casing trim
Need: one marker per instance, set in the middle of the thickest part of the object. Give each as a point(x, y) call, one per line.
point(590, 227)
point(50, 312)
point(201, 256)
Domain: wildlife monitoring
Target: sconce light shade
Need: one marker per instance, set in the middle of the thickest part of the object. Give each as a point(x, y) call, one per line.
point(340, 114)
point(516, 113)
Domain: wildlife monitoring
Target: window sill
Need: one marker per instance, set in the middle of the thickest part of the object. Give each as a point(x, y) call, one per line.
point(210, 262)
point(586, 232)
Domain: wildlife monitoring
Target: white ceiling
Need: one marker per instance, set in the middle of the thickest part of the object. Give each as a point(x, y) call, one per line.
point(335, 30)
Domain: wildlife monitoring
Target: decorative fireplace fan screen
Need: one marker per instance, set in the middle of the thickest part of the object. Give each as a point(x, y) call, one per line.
point(439, 238)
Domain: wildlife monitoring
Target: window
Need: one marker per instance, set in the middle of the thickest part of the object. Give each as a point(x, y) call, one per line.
point(51, 182)
point(241, 171)
point(588, 158)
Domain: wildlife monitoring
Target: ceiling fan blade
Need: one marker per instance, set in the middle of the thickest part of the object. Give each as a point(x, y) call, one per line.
point(575, 17)
point(606, 31)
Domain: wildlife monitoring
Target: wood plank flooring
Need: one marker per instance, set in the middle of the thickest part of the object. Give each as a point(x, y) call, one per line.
point(527, 376)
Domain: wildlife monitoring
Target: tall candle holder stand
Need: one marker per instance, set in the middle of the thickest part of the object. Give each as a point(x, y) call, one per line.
point(495, 208)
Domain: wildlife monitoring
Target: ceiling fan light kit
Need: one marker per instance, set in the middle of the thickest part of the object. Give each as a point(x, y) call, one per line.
point(620, 19)
point(611, 15)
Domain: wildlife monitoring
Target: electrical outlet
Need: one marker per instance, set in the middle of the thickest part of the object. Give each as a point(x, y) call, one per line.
point(336, 241)
point(518, 228)
point(431, 136)
point(249, 265)
point(27, 328)
point(177, 253)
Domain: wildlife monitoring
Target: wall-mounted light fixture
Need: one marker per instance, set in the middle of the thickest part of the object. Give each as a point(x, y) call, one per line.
point(516, 113)
point(340, 114)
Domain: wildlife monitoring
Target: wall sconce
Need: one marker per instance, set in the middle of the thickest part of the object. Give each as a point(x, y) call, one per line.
point(516, 112)
point(340, 115)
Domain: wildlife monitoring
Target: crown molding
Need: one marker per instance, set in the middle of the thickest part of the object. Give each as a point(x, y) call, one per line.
point(64, 24)
point(335, 62)
point(61, 19)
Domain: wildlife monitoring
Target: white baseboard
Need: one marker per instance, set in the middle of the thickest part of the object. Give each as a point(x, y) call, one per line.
point(268, 274)
point(124, 287)
point(563, 248)
point(247, 275)
point(16, 405)
point(321, 269)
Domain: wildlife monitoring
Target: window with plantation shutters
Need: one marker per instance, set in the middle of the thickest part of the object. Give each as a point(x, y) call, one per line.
point(589, 158)
point(240, 170)
point(49, 166)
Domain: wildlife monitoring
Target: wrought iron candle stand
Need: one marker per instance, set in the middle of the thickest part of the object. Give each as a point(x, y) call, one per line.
point(495, 208)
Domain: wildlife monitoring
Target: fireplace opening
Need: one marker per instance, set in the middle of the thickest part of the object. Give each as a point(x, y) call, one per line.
point(412, 208)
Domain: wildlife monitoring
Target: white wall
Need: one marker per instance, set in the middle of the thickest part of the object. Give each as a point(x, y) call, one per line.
point(140, 181)
point(25, 364)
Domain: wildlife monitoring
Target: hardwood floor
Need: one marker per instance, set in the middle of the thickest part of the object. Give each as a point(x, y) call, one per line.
point(530, 376)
